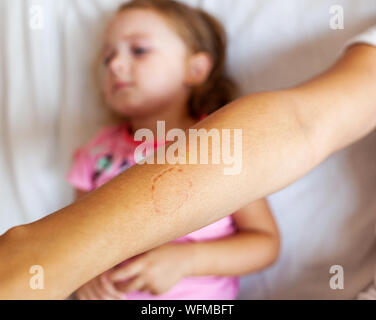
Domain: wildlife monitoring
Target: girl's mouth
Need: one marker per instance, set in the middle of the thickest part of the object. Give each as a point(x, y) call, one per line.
point(118, 86)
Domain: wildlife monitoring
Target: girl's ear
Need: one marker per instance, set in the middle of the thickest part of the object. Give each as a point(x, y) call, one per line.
point(198, 70)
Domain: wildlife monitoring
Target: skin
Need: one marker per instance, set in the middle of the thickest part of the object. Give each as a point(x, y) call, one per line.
point(251, 249)
point(159, 66)
point(154, 61)
point(177, 181)
point(294, 129)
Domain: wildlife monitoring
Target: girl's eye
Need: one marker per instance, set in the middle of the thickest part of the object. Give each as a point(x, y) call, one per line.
point(107, 59)
point(139, 51)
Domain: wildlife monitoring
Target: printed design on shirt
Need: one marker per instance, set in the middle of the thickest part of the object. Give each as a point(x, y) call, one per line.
point(103, 164)
point(96, 150)
point(124, 165)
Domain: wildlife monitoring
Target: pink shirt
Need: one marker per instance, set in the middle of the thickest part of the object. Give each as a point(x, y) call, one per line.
point(110, 153)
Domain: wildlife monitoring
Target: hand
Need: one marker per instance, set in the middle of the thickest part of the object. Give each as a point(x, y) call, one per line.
point(100, 288)
point(155, 271)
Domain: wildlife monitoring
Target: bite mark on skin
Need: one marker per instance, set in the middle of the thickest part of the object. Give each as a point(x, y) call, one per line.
point(170, 190)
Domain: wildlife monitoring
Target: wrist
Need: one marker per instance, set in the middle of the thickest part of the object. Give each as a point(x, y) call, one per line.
point(190, 259)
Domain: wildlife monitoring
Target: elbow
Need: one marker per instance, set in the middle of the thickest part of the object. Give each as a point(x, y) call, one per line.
point(272, 247)
point(275, 249)
point(272, 251)
point(268, 255)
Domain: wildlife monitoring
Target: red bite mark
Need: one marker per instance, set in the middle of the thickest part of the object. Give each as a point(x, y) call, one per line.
point(170, 190)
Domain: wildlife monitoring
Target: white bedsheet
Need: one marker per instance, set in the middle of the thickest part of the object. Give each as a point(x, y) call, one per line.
point(48, 106)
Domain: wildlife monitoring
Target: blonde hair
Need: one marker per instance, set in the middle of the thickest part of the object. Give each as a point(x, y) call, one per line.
point(201, 32)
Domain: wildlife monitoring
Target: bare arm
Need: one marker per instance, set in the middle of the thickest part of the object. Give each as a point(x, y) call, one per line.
point(285, 135)
point(254, 247)
point(79, 194)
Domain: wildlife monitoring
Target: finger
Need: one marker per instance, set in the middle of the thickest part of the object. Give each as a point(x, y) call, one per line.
point(101, 292)
point(110, 289)
point(132, 285)
point(144, 289)
point(126, 272)
point(98, 290)
point(80, 295)
point(152, 291)
point(90, 293)
point(83, 294)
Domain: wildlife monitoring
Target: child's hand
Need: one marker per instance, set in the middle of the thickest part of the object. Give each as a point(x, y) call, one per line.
point(100, 288)
point(156, 271)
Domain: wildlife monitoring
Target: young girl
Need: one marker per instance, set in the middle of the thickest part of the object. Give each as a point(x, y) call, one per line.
point(165, 61)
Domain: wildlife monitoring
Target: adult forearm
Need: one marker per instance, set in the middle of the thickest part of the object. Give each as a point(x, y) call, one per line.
point(120, 220)
point(339, 107)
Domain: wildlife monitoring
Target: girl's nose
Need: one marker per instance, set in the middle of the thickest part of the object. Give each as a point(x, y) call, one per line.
point(119, 64)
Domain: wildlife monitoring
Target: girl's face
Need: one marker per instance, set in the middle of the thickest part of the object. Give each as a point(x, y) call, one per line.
point(145, 63)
